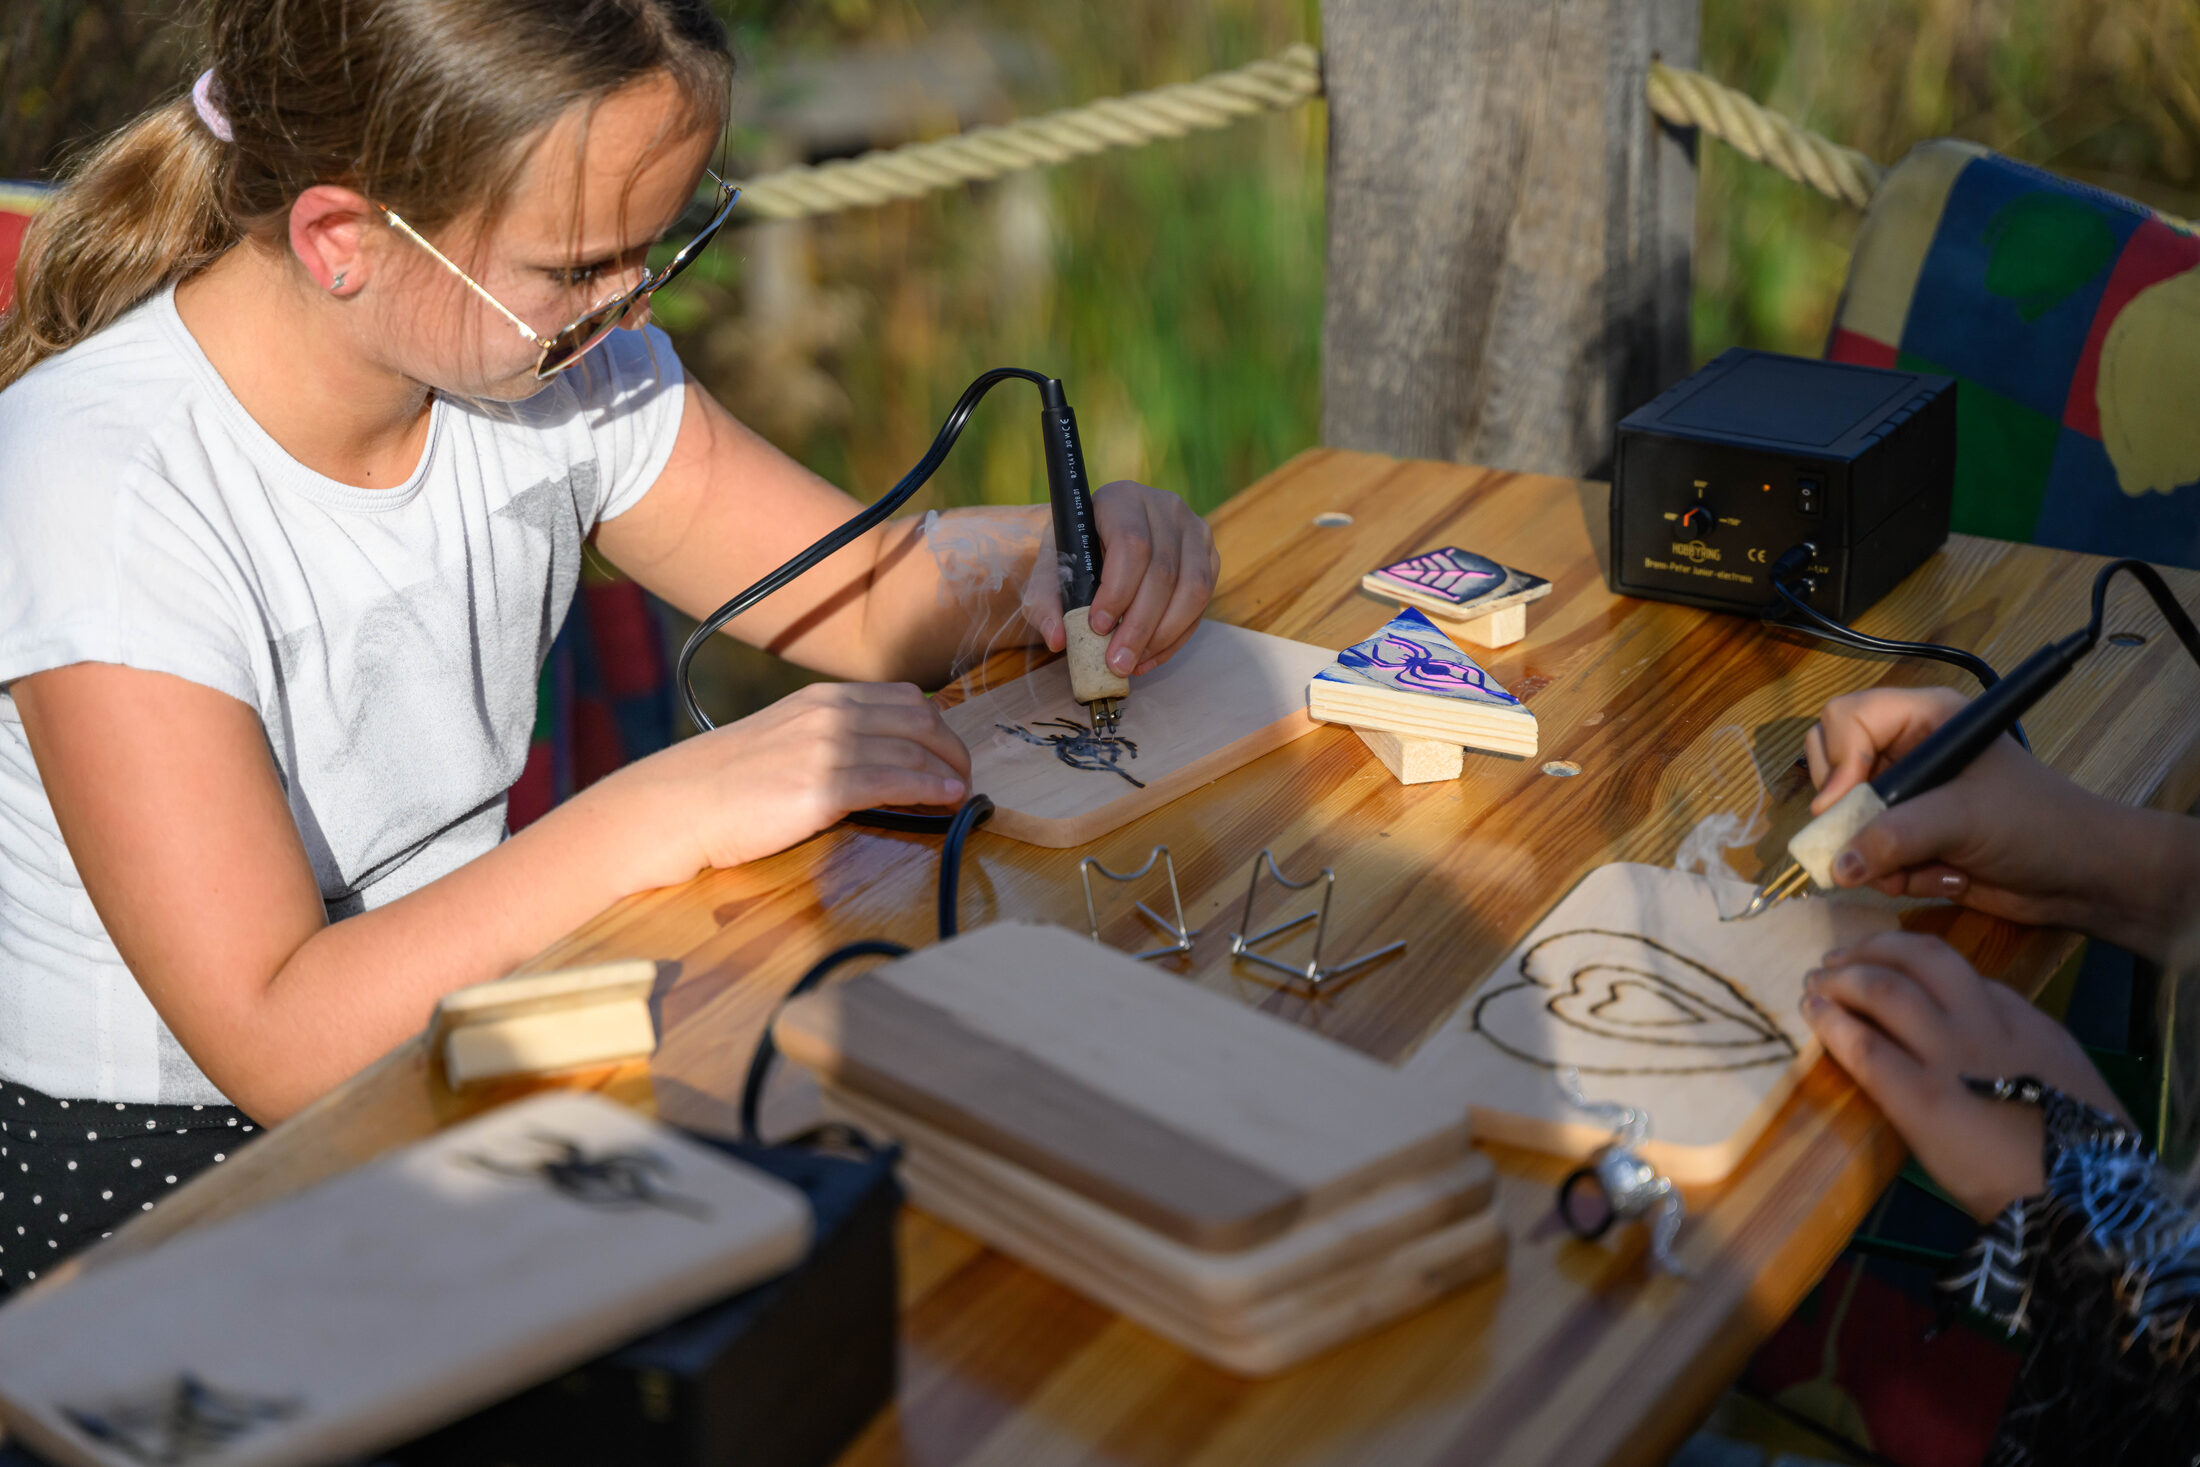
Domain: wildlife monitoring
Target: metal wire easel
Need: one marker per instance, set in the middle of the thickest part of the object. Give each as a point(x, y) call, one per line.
point(1180, 936)
point(1312, 974)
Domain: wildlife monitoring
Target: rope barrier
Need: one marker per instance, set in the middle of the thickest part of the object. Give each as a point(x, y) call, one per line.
point(1680, 97)
point(1205, 105)
point(1691, 99)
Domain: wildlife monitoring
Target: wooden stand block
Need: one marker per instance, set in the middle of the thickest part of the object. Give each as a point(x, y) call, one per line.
point(1500, 628)
point(1414, 761)
point(545, 1022)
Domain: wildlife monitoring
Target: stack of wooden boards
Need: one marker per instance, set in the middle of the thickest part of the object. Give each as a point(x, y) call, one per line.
point(1240, 1185)
point(395, 1298)
point(1419, 702)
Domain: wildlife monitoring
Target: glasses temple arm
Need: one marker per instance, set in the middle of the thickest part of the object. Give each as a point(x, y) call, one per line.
point(421, 240)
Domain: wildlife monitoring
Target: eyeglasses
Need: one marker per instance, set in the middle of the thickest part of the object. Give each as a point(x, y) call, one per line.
point(587, 330)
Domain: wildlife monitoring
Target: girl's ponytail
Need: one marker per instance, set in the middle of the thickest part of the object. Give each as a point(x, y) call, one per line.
point(141, 210)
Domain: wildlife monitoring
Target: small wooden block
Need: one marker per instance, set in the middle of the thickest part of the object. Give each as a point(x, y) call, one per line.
point(399, 1296)
point(1499, 629)
point(1173, 1105)
point(542, 1023)
point(1414, 761)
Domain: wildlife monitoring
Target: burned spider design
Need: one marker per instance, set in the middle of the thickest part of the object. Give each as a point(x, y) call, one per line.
point(1079, 747)
point(616, 1180)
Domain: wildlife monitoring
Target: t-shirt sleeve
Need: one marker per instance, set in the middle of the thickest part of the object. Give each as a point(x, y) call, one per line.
point(632, 390)
point(105, 563)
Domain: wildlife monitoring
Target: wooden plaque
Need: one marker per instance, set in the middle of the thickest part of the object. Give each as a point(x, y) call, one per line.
point(1228, 697)
point(1634, 982)
point(395, 1298)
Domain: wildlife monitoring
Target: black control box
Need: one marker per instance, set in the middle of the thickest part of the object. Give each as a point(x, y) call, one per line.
point(1718, 477)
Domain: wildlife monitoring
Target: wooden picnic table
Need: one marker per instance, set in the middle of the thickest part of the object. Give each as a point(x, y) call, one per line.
point(1576, 1353)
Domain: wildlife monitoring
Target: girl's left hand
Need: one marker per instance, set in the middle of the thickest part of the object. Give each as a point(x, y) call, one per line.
point(1157, 572)
point(1908, 1018)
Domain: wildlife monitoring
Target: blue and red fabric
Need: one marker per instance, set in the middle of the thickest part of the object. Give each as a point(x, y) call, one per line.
point(605, 699)
point(2070, 319)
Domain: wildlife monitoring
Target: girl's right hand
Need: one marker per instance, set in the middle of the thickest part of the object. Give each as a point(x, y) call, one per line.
point(2008, 836)
point(766, 782)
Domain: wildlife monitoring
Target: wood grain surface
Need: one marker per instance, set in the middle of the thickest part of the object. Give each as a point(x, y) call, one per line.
point(1575, 1353)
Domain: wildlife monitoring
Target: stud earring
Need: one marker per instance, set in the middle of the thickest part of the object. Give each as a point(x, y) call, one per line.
point(338, 282)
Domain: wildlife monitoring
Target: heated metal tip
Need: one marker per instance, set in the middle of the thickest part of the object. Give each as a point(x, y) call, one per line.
point(1107, 716)
point(1790, 880)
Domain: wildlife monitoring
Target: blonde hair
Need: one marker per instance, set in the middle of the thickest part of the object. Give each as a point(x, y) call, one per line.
point(427, 106)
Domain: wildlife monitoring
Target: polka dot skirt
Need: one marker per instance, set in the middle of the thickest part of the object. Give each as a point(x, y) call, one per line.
point(72, 1171)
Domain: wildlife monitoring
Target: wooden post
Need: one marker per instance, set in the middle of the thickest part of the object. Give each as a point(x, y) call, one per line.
point(1509, 227)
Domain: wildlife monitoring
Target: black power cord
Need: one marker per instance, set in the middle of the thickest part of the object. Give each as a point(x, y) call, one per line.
point(1789, 612)
point(767, 1049)
point(975, 812)
point(869, 519)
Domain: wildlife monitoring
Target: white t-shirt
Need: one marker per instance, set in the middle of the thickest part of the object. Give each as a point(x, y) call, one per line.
point(389, 639)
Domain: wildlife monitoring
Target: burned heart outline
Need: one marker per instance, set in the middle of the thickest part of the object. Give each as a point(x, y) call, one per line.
point(1772, 1044)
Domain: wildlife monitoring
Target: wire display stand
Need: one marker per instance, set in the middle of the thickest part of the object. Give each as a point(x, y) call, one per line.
point(1180, 937)
point(1312, 974)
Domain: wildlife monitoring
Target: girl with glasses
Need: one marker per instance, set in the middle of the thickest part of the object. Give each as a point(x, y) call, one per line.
point(313, 391)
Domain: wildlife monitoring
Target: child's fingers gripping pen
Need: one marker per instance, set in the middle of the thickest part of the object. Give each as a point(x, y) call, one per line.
point(1077, 541)
point(1945, 753)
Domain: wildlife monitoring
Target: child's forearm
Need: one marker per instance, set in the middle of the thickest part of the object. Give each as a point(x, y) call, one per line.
point(937, 601)
point(358, 987)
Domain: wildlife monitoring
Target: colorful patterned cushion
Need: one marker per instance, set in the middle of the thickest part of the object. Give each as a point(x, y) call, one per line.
point(2071, 319)
point(18, 201)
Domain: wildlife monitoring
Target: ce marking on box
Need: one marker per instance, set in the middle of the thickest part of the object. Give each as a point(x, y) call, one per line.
point(1757, 557)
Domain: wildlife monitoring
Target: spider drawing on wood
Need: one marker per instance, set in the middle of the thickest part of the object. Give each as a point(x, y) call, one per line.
point(1079, 747)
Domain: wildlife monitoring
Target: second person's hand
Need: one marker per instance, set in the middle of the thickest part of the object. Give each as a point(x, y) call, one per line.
point(2008, 836)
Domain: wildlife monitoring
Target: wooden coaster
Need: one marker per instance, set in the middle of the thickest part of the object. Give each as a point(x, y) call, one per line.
point(1476, 598)
point(1180, 1108)
point(394, 1298)
point(1411, 680)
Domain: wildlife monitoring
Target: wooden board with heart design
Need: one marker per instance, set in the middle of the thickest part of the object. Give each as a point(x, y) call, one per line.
point(1226, 698)
point(1633, 981)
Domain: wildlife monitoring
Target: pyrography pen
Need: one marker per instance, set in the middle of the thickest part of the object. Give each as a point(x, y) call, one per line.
point(1948, 750)
point(1077, 549)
